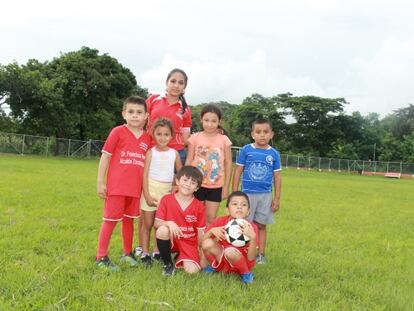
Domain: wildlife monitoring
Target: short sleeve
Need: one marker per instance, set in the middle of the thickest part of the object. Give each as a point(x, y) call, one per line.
point(227, 141)
point(150, 102)
point(241, 160)
point(161, 210)
point(276, 162)
point(192, 139)
point(111, 142)
point(187, 121)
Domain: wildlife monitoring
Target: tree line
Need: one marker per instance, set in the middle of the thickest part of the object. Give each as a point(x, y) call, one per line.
point(79, 94)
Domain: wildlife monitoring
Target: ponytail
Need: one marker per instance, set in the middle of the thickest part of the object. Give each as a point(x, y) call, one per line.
point(184, 104)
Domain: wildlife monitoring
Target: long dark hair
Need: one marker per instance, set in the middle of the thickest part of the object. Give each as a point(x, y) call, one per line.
point(181, 97)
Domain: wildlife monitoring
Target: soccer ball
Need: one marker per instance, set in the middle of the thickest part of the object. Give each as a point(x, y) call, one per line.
point(233, 232)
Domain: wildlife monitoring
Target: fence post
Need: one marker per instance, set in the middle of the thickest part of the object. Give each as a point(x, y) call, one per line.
point(287, 156)
point(363, 166)
point(23, 144)
point(349, 169)
point(309, 163)
point(401, 167)
point(69, 148)
point(89, 147)
point(329, 168)
point(298, 164)
point(47, 145)
point(319, 164)
point(339, 166)
point(388, 164)
point(375, 167)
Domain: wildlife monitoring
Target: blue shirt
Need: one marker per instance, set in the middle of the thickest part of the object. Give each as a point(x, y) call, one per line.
point(259, 165)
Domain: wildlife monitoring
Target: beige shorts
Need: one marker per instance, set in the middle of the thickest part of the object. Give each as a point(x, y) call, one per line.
point(157, 190)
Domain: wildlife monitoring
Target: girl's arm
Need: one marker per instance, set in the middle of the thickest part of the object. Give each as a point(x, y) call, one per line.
point(216, 232)
point(102, 169)
point(145, 187)
point(185, 136)
point(190, 154)
point(227, 172)
point(178, 164)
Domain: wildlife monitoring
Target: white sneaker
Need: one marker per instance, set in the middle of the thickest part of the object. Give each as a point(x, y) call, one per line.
point(260, 259)
point(138, 251)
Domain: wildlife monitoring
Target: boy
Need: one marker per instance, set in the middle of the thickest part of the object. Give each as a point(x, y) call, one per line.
point(122, 162)
point(180, 220)
point(260, 165)
point(223, 256)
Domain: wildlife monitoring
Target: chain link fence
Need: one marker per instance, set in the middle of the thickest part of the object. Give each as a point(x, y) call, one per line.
point(50, 146)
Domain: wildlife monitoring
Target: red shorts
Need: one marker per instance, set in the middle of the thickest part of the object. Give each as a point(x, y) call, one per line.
point(224, 266)
point(187, 250)
point(118, 207)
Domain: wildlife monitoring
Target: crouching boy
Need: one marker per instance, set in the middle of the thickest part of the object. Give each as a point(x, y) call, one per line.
point(223, 256)
point(179, 222)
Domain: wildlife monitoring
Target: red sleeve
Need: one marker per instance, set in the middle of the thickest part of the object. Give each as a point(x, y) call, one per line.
point(201, 216)
point(218, 222)
point(111, 141)
point(161, 210)
point(150, 102)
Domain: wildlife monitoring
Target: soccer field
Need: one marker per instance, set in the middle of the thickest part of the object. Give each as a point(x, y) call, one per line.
point(340, 242)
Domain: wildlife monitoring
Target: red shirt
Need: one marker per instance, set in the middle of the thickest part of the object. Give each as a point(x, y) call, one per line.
point(126, 167)
point(189, 220)
point(158, 107)
point(222, 221)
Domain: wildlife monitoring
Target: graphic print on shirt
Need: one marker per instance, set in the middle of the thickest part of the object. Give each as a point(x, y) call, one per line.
point(208, 162)
point(258, 171)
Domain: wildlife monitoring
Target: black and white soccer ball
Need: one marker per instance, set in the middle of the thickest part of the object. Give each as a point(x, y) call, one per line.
point(233, 232)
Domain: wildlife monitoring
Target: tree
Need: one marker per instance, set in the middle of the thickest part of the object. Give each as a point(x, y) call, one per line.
point(76, 95)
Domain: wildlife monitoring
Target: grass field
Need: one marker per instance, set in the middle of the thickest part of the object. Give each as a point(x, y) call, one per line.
point(341, 242)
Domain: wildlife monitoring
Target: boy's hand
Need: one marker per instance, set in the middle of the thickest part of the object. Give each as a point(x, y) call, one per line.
point(218, 232)
point(151, 201)
point(247, 230)
point(175, 231)
point(275, 206)
point(101, 189)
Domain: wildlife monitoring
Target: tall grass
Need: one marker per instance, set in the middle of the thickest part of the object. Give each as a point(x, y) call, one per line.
point(340, 242)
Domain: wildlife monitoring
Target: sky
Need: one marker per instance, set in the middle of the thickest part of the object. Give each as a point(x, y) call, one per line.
point(361, 50)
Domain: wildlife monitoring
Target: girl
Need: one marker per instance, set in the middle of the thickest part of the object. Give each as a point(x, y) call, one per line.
point(210, 151)
point(173, 106)
point(159, 167)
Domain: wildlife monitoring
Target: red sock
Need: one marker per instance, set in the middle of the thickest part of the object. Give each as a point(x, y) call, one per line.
point(241, 265)
point(127, 234)
point(104, 238)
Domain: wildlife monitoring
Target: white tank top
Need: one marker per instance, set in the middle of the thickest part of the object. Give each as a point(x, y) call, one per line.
point(162, 165)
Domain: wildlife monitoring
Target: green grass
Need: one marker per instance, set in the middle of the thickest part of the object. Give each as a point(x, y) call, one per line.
point(341, 242)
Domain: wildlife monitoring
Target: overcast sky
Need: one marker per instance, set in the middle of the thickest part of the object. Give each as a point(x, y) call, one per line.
point(360, 50)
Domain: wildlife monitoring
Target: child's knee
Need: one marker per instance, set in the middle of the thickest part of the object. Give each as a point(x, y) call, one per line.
point(163, 233)
point(208, 244)
point(261, 226)
point(232, 255)
point(191, 268)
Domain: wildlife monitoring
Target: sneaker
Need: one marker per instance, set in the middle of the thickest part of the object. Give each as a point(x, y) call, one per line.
point(169, 270)
point(260, 259)
point(138, 251)
point(105, 264)
point(129, 259)
point(208, 270)
point(247, 278)
point(147, 261)
point(156, 256)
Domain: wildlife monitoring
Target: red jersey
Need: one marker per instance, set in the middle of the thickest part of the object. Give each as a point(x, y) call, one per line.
point(158, 107)
point(222, 221)
point(189, 220)
point(126, 167)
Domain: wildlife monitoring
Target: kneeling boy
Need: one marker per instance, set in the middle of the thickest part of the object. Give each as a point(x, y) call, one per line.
point(223, 256)
point(180, 221)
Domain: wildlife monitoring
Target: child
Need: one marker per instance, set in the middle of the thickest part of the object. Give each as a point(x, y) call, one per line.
point(223, 256)
point(260, 165)
point(210, 151)
point(158, 177)
point(122, 162)
point(180, 221)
